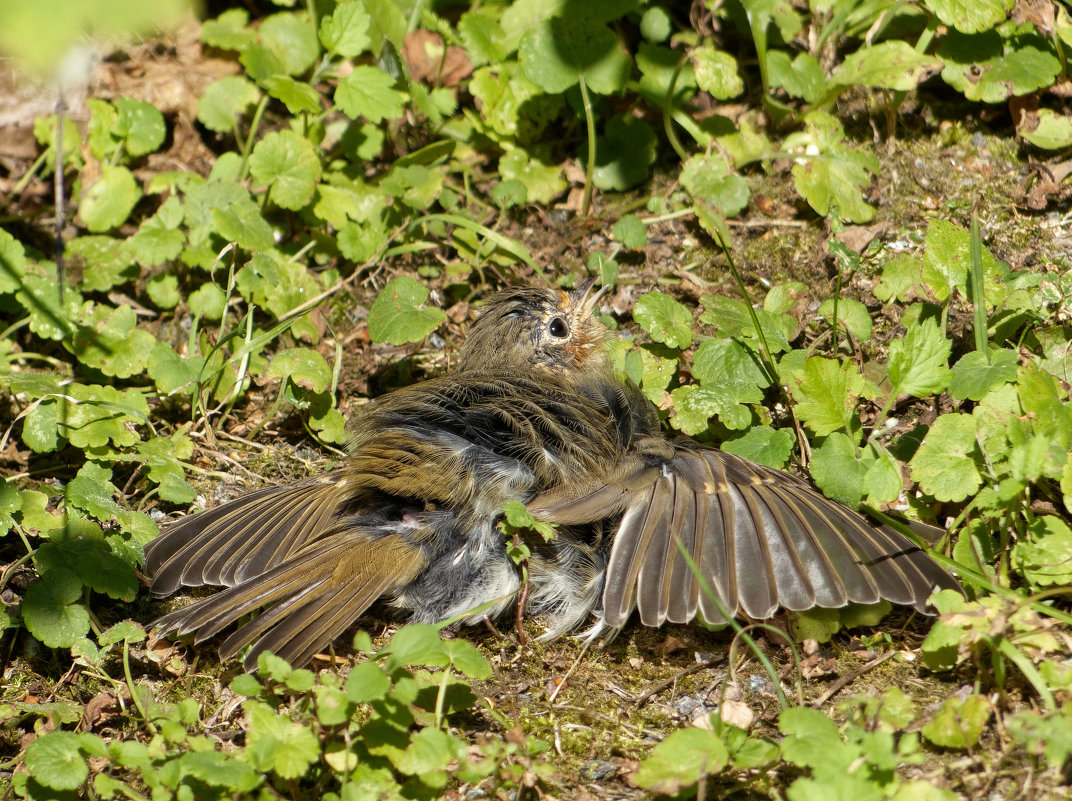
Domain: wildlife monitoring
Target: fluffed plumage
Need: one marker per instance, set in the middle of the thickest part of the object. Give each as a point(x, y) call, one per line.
point(532, 413)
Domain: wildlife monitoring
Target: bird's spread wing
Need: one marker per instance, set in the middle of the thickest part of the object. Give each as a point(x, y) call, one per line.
point(243, 538)
point(311, 598)
point(761, 540)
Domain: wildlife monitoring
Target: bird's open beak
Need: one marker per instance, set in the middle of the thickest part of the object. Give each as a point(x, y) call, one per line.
point(580, 296)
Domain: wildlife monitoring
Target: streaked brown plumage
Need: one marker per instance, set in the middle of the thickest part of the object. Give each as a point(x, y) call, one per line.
point(534, 413)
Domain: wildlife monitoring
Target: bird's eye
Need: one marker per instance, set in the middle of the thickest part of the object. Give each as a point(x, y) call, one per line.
point(558, 328)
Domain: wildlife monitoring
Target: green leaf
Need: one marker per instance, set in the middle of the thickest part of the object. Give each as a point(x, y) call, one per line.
point(709, 177)
point(1049, 130)
point(1045, 557)
point(159, 239)
point(828, 173)
point(887, 65)
point(827, 393)
point(297, 96)
point(80, 549)
point(397, 315)
point(276, 743)
point(429, 752)
point(223, 100)
point(852, 314)
point(108, 202)
point(763, 444)
point(802, 77)
point(241, 222)
point(305, 367)
point(918, 361)
point(483, 37)
point(170, 371)
point(837, 470)
point(974, 375)
point(988, 68)
point(51, 611)
point(555, 54)
point(56, 760)
point(228, 31)
point(140, 125)
point(467, 659)
point(665, 319)
point(728, 362)
point(292, 39)
point(367, 682)
point(92, 491)
point(163, 291)
point(815, 624)
point(106, 262)
point(694, 406)
point(716, 72)
point(417, 644)
point(124, 630)
point(944, 465)
point(813, 741)
point(344, 32)
point(970, 16)
point(367, 92)
point(110, 340)
point(624, 154)
point(288, 165)
point(630, 231)
point(946, 263)
point(959, 723)
point(681, 760)
point(219, 769)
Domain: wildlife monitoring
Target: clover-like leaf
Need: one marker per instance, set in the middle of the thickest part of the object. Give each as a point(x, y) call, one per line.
point(557, 53)
point(51, 609)
point(838, 471)
point(944, 465)
point(56, 760)
point(223, 100)
point(682, 760)
point(399, 316)
point(1045, 556)
point(977, 373)
point(959, 723)
point(368, 92)
point(288, 165)
point(140, 124)
point(768, 446)
point(108, 202)
point(893, 65)
point(665, 319)
point(827, 393)
point(970, 16)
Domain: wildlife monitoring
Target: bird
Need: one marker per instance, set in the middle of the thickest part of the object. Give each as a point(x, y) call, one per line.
point(666, 527)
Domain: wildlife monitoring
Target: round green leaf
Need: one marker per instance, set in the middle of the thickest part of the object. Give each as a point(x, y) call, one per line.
point(109, 201)
point(664, 319)
point(398, 316)
point(223, 100)
point(288, 164)
point(56, 760)
point(51, 612)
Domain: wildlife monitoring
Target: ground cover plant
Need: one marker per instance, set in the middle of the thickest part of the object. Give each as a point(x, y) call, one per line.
point(838, 239)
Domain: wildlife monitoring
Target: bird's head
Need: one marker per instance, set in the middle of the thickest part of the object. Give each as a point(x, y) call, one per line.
point(546, 329)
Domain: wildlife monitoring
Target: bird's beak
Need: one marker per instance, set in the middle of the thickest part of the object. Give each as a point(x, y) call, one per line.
point(580, 297)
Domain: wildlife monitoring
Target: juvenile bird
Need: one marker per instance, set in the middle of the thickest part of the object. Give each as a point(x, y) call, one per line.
point(533, 413)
